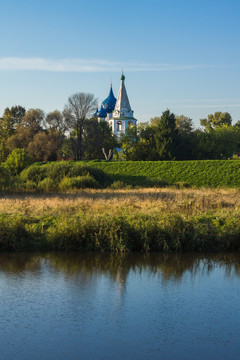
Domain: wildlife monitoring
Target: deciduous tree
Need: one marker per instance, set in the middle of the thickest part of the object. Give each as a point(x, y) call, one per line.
point(218, 119)
point(80, 106)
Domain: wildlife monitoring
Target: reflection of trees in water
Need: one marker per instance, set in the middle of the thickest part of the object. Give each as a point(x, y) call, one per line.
point(117, 267)
point(16, 263)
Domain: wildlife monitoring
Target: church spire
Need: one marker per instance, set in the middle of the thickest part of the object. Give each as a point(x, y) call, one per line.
point(122, 104)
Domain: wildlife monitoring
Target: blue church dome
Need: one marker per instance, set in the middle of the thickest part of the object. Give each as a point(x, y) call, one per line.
point(96, 112)
point(109, 102)
point(102, 113)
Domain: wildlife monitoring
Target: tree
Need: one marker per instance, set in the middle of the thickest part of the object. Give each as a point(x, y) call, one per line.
point(45, 146)
point(186, 137)
point(55, 120)
point(96, 135)
point(226, 141)
point(138, 142)
point(218, 119)
point(11, 117)
point(184, 124)
point(80, 106)
point(166, 137)
point(25, 131)
point(34, 118)
point(237, 124)
point(155, 121)
point(14, 115)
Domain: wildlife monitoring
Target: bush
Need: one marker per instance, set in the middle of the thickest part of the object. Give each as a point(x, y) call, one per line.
point(5, 178)
point(82, 182)
point(57, 171)
point(182, 185)
point(47, 185)
point(159, 183)
point(30, 185)
point(17, 160)
point(83, 170)
point(34, 173)
point(79, 182)
point(65, 184)
point(118, 185)
point(60, 170)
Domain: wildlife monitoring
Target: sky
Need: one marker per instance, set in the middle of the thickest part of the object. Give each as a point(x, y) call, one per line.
point(176, 54)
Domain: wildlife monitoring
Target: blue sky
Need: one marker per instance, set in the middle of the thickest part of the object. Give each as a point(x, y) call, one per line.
point(182, 55)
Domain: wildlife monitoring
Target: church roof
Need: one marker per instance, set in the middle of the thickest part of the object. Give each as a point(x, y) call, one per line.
point(122, 100)
point(102, 113)
point(96, 112)
point(110, 101)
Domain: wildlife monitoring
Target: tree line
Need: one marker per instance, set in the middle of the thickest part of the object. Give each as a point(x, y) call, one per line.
point(171, 137)
point(74, 133)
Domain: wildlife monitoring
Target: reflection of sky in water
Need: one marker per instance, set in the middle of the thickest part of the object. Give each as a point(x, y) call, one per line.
point(106, 307)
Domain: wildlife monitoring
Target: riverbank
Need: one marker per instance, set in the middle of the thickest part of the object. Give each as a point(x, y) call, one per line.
point(168, 220)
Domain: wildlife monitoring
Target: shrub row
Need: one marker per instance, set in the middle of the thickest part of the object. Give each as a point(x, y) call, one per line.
point(54, 177)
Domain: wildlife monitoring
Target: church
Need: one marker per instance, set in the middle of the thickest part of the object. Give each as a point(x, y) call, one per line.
point(117, 112)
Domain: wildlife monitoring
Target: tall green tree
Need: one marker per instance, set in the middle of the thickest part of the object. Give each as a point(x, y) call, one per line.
point(186, 138)
point(96, 136)
point(166, 137)
point(138, 142)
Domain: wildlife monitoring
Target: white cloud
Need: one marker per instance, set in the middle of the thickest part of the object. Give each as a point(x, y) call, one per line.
point(83, 65)
point(210, 106)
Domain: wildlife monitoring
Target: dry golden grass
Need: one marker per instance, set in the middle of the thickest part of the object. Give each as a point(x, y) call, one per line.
point(148, 201)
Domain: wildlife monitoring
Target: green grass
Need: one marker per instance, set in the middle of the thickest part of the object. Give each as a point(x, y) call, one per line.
point(200, 173)
point(48, 177)
point(111, 233)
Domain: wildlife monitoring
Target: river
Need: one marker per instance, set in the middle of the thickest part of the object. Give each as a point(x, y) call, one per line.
point(87, 306)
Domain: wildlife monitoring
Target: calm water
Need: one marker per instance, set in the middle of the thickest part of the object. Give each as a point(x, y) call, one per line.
point(71, 306)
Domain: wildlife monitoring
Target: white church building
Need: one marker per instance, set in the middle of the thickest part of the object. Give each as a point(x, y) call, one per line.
point(117, 112)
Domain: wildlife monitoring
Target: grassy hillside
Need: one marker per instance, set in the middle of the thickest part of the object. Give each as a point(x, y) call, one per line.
point(209, 173)
point(64, 176)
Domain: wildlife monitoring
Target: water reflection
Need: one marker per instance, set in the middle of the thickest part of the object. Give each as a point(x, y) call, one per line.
point(117, 267)
point(130, 306)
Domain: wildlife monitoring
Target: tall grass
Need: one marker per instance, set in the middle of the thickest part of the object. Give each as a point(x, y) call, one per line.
point(169, 233)
point(122, 221)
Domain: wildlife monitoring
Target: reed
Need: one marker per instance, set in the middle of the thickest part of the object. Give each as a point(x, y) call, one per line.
point(122, 220)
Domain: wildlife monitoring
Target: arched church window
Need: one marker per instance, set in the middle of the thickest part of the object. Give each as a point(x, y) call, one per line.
point(119, 126)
